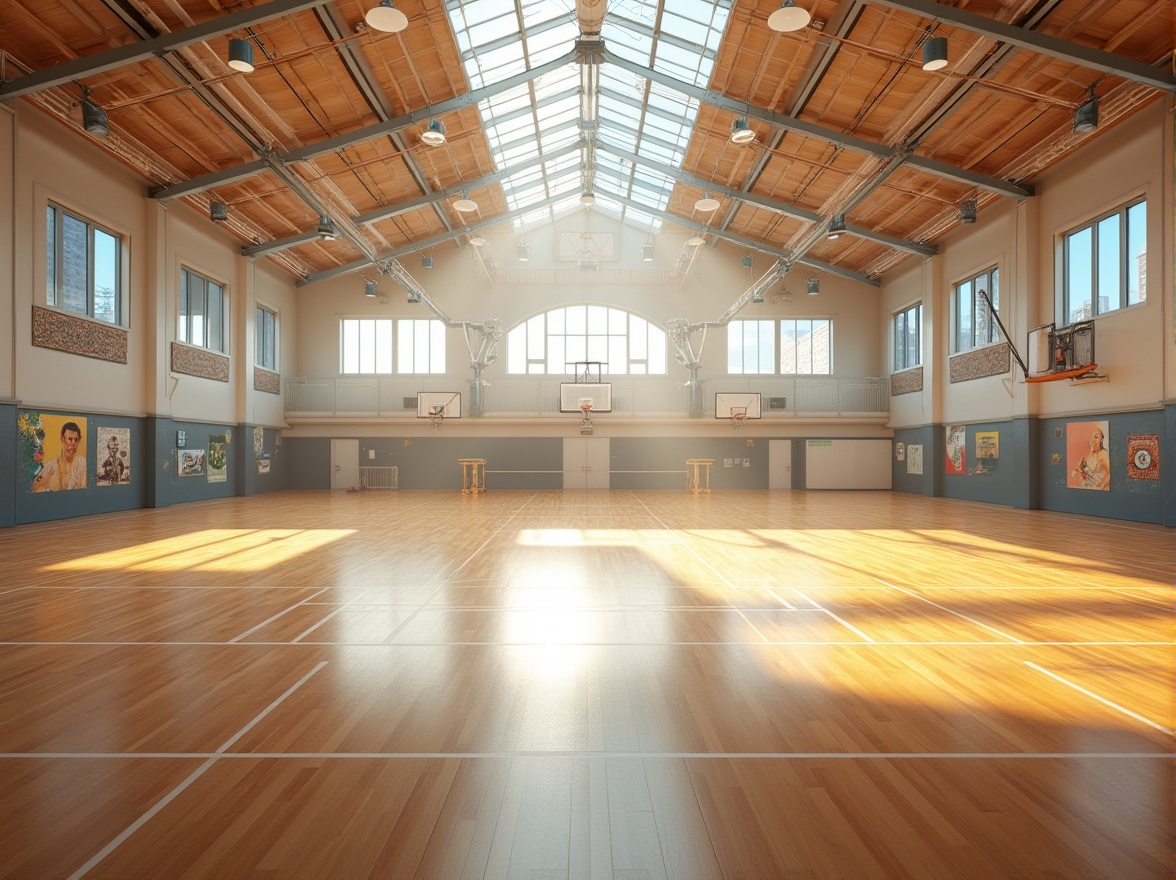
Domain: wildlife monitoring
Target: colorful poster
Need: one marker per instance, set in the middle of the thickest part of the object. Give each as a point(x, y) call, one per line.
point(914, 459)
point(987, 452)
point(259, 444)
point(899, 451)
point(114, 456)
point(1143, 456)
point(191, 462)
point(218, 458)
point(263, 466)
point(1088, 459)
point(53, 451)
point(956, 457)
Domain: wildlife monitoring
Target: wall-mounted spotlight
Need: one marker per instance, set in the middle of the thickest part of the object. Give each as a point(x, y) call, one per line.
point(741, 132)
point(814, 286)
point(789, 17)
point(935, 53)
point(706, 204)
point(465, 204)
point(647, 252)
point(968, 211)
point(426, 261)
point(325, 228)
point(218, 212)
point(836, 226)
point(386, 18)
point(745, 262)
point(370, 289)
point(524, 251)
point(241, 55)
point(434, 135)
point(1086, 116)
point(94, 118)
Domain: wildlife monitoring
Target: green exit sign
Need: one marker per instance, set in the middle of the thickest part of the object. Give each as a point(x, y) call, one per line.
point(820, 443)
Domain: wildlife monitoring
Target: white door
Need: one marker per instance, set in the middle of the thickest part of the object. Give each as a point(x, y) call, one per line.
point(586, 463)
point(779, 464)
point(344, 464)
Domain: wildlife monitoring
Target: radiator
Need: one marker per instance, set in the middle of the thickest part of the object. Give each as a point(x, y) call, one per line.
point(379, 478)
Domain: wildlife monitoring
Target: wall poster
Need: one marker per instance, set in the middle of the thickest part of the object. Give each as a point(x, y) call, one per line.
point(987, 452)
point(899, 451)
point(956, 455)
point(1143, 456)
point(114, 456)
point(218, 458)
point(191, 462)
point(1087, 457)
point(915, 459)
point(52, 451)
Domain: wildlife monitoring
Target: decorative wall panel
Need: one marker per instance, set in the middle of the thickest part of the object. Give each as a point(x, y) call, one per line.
point(77, 335)
point(199, 362)
point(990, 361)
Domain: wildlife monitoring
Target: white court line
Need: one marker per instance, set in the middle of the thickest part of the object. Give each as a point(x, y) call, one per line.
point(17, 589)
point(844, 623)
point(383, 644)
point(196, 774)
point(1102, 700)
point(270, 620)
point(971, 620)
point(1146, 600)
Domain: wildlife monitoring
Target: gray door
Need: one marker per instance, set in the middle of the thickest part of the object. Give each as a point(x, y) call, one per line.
point(779, 464)
point(586, 463)
point(344, 464)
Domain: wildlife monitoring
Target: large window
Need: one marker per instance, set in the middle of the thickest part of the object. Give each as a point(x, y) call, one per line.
point(751, 347)
point(908, 338)
point(974, 322)
point(421, 344)
point(202, 311)
point(266, 338)
point(365, 345)
point(83, 266)
point(806, 346)
point(553, 342)
point(1104, 263)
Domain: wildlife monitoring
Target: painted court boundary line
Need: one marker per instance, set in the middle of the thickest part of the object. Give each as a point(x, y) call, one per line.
point(692, 756)
point(1102, 700)
point(271, 619)
point(973, 621)
point(778, 644)
point(196, 774)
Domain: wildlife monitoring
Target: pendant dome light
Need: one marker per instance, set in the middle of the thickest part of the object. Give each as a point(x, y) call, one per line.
point(789, 17)
point(386, 18)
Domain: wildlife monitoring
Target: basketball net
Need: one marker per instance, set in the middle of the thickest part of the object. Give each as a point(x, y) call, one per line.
point(738, 416)
point(436, 416)
point(586, 411)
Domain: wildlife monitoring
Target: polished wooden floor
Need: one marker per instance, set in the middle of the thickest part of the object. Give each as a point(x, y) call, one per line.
point(586, 684)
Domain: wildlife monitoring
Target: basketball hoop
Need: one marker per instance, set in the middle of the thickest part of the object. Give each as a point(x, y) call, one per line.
point(586, 412)
point(436, 415)
point(738, 417)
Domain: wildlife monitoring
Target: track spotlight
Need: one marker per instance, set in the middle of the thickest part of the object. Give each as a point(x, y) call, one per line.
point(218, 212)
point(935, 53)
point(386, 18)
point(789, 17)
point(370, 289)
point(1086, 116)
point(741, 133)
point(524, 251)
point(94, 118)
point(647, 252)
point(814, 286)
point(426, 261)
point(434, 135)
point(241, 55)
point(836, 226)
point(325, 228)
point(745, 262)
point(706, 204)
point(588, 199)
point(968, 211)
point(465, 204)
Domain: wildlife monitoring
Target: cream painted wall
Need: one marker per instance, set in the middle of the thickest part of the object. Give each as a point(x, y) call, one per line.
point(7, 264)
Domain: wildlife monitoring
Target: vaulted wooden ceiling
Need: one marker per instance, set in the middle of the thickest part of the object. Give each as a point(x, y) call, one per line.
point(846, 120)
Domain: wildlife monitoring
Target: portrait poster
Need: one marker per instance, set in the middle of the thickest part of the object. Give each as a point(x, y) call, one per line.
point(259, 444)
point(191, 463)
point(263, 466)
point(1088, 457)
point(899, 451)
point(956, 456)
point(1143, 456)
point(987, 452)
point(218, 458)
point(114, 456)
point(914, 459)
point(53, 451)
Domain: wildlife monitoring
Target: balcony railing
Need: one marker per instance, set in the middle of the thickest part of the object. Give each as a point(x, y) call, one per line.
point(395, 396)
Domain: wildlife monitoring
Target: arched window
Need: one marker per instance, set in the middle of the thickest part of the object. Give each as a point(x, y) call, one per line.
point(552, 342)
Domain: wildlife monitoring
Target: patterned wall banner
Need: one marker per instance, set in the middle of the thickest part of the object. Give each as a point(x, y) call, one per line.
point(989, 361)
point(198, 362)
point(955, 453)
point(63, 332)
point(906, 382)
point(1143, 456)
point(264, 380)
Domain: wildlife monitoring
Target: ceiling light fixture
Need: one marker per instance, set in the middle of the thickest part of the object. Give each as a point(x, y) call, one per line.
point(465, 204)
point(94, 118)
point(814, 286)
point(426, 261)
point(706, 204)
point(434, 135)
point(789, 17)
point(218, 212)
point(935, 53)
point(836, 226)
point(695, 240)
point(477, 241)
point(1086, 116)
point(386, 18)
point(647, 252)
point(241, 55)
point(588, 199)
point(369, 289)
point(746, 261)
point(325, 228)
point(741, 132)
point(968, 211)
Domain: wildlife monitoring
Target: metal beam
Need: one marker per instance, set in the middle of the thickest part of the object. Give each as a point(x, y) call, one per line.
point(973, 178)
point(121, 56)
point(1085, 56)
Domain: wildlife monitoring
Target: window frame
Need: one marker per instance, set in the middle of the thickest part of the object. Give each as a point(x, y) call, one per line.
point(261, 313)
point(1123, 238)
point(991, 281)
point(410, 333)
point(601, 338)
point(812, 332)
point(909, 359)
point(751, 345)
point(184, 324)
point(377, 355)
point(55, 293)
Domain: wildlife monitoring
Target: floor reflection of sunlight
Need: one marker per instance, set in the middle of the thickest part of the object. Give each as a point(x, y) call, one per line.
point(553, 612)
point(209, 550)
